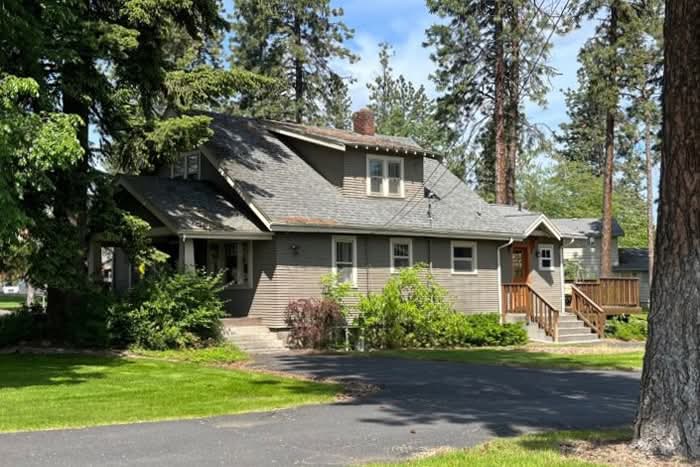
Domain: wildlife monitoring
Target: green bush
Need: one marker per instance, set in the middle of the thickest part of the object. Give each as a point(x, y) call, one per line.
point(414, 311)
point(171, 310)
point(627, 327)
point(23, 325)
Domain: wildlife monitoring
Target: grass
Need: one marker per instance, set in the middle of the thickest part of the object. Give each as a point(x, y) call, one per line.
point(11, 302)
point(524, 451)
point(625, 361)
point(61, 391)
point(219, 355)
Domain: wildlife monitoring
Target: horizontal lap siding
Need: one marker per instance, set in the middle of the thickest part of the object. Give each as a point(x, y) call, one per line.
point(264, 300)
point(589, 255)
point(299, 270)
point(547, 283)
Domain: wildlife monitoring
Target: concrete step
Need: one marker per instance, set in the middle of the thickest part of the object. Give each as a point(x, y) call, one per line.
point(576, 338)
point(571, 324)
point(252, 337)
point(240, 322)
point(574, 331)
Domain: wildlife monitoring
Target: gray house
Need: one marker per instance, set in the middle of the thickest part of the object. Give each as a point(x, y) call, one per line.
point(278, 205)
point(585, 249)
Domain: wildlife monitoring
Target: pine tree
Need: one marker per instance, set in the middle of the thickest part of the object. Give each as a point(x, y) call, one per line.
point(490, 57)
point(601, 132)
point(667, 420)
point(296, 41)
point(403, 109)
point(109, 65)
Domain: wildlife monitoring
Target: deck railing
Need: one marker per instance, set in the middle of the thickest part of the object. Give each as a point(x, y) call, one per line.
point(521, 298)
point(588, 310)
point(612, 291)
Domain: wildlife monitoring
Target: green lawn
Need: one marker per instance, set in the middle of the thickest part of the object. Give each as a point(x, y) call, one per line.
point(11, 302)
point(43, 392)
point(220, 355)
point(625, 361)
point(525, 451)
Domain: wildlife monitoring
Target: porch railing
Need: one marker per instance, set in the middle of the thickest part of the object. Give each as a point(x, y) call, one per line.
point(587, 310)
point(612, 291)
point(521, 298)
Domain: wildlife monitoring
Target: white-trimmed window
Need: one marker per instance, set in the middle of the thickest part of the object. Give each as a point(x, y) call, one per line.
point(545, 255)
point(235, 258)
point(464, 257)
point(401, 251)
point(344, 255)
point(186, 165)
point(385, 176)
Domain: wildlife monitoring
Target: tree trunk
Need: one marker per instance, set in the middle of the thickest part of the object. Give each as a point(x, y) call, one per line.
point(298, 74)
point(499, 114)
point(648, 141)
point(609, 168)
point(514, 104)
point(668, 420)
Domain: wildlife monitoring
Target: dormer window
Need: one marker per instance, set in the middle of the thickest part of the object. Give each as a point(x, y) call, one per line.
point(385, 176)
point(186, 166)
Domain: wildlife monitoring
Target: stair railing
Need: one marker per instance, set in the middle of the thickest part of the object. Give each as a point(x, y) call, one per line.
point(522, 298)
point(588, 311)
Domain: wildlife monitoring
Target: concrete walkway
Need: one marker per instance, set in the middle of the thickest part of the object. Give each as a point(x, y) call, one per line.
point(421, 406)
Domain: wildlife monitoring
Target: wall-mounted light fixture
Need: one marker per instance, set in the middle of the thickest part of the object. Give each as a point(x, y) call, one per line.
point(295, 248)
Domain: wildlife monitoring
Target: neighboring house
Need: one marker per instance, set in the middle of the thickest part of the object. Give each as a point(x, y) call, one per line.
point(634, 262)
point(278, 205)
point(584, 249)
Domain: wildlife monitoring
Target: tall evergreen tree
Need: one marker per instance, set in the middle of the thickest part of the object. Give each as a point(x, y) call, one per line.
point(600, 131)
point(667, 421)
point(490, 57)
point(106, 63)
point(297, 41)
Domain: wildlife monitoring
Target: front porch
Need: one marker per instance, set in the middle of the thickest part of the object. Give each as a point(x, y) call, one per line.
point(591, 302)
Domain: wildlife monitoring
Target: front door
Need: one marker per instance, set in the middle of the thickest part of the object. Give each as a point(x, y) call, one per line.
point(520, 264)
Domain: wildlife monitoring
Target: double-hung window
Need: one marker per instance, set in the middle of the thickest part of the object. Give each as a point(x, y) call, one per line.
point(232, 257)
point(385, 176)
point(464, 257)
point(186, 166)
point(401, 253)
point(344, 255)
point(545, 253)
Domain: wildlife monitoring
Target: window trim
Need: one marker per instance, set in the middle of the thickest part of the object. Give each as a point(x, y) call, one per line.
point(185, 173)
point(400, 240)
point(349, 239)
point(540, 248)
point(230, 285)
point(385, 176)
point(460, 243)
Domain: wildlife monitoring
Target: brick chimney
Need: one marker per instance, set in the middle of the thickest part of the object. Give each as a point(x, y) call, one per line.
point(363, 122)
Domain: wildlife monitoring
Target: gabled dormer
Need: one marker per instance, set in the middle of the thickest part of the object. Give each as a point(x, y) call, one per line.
point(359, 163)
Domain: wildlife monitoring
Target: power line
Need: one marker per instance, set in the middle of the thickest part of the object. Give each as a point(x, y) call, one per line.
point(409, 201)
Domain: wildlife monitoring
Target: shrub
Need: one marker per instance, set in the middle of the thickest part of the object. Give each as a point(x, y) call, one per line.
point(336, 290)
point(311, 322)
point(414, 311)
point(22, 325)
point(171, 310)
point(628, 327)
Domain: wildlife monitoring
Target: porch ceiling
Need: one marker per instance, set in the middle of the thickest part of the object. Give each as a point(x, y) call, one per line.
point(190, 207)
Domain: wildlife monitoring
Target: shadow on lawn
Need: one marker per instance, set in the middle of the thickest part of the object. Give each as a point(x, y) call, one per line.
point(505, 401)
point(26, 370)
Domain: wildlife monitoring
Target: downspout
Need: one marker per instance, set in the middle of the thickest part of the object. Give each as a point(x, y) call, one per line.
point(498, 276)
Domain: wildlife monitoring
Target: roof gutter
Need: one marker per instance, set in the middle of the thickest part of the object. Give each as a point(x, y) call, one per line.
point(498, 277)
point(360, 230)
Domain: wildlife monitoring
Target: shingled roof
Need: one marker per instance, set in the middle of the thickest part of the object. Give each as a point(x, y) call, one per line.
point(188, 205)
point(586, 227)
point(344, 138)
point(291, 195)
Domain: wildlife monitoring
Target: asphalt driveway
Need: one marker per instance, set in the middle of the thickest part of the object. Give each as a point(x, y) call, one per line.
point(421, 405)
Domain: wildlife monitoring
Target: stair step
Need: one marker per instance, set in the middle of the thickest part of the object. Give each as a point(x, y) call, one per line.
point(249, 335)
point(571, 324)
point(587, 337)
point(574, 331)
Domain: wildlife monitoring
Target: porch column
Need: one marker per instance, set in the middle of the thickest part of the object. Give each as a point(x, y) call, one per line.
point(185, 261)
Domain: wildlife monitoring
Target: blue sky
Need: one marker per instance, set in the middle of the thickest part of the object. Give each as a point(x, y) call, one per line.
point(402, 23)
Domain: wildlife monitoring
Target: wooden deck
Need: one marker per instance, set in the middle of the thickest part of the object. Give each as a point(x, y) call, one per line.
point(615, 295)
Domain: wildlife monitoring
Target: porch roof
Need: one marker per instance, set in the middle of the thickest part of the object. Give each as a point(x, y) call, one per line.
point(190, 207)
